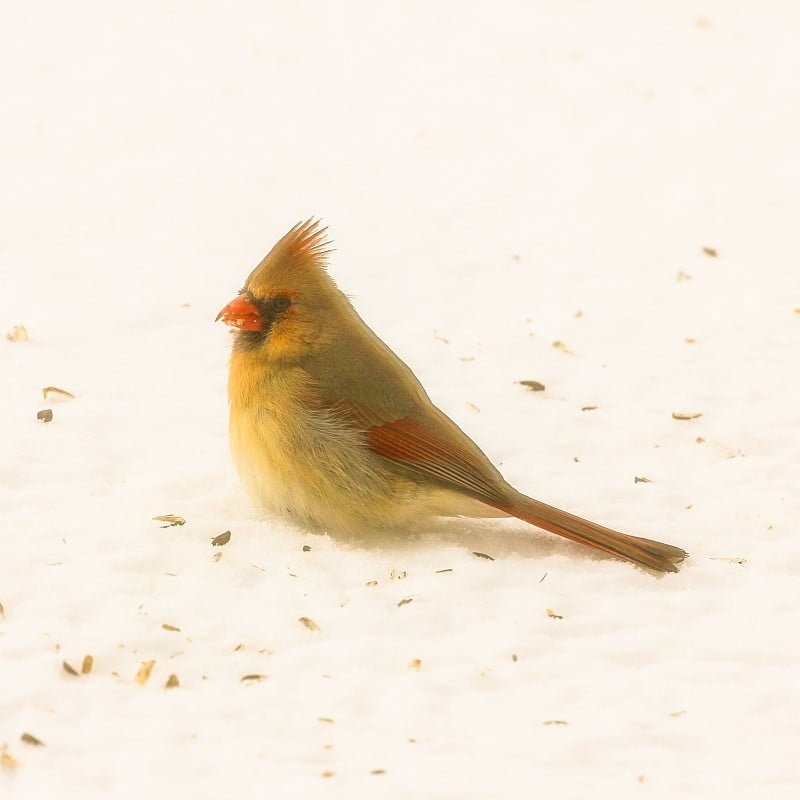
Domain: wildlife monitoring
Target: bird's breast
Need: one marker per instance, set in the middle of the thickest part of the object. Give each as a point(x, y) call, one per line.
point(300, 460)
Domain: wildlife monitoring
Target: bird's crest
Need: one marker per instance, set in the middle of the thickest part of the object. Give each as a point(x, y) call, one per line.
point(305, 243)
point(296, 262)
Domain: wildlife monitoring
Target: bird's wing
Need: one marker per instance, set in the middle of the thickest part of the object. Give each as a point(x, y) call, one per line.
point(428, 443)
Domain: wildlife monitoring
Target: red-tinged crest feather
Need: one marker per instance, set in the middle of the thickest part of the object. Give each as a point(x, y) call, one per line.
point(306, 241)
point(296, 262)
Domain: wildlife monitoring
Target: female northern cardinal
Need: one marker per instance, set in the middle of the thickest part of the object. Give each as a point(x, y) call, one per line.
point(330, 427)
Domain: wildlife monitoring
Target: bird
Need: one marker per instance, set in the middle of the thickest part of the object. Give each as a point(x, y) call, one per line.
point(331, 429)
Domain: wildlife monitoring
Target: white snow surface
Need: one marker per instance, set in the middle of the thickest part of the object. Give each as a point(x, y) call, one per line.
point(497, 178)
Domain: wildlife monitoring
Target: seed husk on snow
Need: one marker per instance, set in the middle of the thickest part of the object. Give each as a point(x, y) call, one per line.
point(55, 390)
point(6, 759)
point(534, 386)
point(144, 672)
point(684, 415)
point(170, 519)
point(87, 664)
point(29, 738)
point(17, 334)
point(309, 623)
point(222, 539)
point(172, 682)
point(482, 555)
point(45, 415)
point(70, 670)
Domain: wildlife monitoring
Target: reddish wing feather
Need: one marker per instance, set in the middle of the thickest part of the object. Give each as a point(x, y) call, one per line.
point(408, 442)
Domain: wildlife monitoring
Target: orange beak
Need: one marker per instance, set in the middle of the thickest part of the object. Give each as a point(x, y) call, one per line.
point(241, 313)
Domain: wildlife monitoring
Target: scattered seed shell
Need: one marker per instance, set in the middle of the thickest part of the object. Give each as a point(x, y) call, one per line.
point(6, 759)
point(371, 583)
point(144, 672)
point(55, 390)
point(329, 773)
point(70, 670)
point(45, 415)
point(222, 539)
point(377, 772)
point(556, 722)
point(473, 408)
point(405, 601)
point(482, 555)
point(641, 479)
point(440, 571)
point(306, 548)
point(17, 334)
point(563, 347)
point(415, 663)
point(29, 738)
point(738, 560)
point(683, 415)
point(172, 682)
point(167, 627)
point(87, 664)
point(170, 519)
point(588, 408)
point(534, 386)
point(253, 677)
point(552, 614)
point(711, 252)
point(309, 623)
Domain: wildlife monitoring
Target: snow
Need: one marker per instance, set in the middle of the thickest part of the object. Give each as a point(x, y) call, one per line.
point(496, 178)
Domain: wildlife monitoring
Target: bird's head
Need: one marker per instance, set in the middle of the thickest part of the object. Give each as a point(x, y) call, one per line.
point(284, 309)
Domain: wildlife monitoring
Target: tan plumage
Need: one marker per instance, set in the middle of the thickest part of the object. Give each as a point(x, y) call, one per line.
point(328, 426)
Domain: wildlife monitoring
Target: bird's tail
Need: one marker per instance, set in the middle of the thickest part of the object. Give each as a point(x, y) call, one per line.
point(644, 552)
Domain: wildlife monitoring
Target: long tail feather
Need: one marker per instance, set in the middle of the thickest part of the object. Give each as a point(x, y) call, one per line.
point(644, 552)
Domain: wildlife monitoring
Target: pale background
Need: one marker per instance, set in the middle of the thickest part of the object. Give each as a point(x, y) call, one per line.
point(488, 171)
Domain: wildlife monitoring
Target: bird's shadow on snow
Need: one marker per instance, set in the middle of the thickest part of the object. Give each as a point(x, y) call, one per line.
point(492, 537)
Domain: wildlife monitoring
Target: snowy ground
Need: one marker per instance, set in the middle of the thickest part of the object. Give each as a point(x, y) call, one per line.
point(497, 177)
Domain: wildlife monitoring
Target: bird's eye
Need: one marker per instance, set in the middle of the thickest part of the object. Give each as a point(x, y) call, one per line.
point(280, 303)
